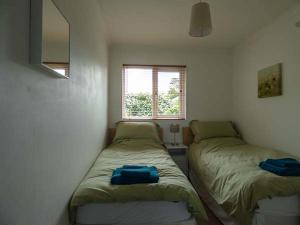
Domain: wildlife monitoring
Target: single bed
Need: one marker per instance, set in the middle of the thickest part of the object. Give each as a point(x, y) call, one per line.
point(225, 173)
point(171, 201)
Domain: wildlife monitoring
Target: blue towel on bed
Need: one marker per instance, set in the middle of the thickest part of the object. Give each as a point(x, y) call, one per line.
point(134, 174)
point(134, 166)
point(141, 172)
point(285, 162)
point(281, 167)
point(136, 171)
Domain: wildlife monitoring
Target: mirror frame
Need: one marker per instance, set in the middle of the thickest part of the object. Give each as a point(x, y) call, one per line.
point(36, 39)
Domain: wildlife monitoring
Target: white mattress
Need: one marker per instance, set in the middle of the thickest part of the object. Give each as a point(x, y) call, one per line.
point(280, 205)
point(278, 211)
point(135, 213)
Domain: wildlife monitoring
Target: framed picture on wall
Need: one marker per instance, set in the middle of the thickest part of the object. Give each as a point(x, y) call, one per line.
point(270, 81)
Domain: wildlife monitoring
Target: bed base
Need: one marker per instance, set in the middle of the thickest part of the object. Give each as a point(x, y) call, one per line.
point(190, 221)
point(218, 211)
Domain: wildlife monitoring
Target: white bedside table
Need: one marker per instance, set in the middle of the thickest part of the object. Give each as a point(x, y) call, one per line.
point(179, 155)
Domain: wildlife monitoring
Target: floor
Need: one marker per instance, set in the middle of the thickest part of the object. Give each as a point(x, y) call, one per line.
point(212, 219)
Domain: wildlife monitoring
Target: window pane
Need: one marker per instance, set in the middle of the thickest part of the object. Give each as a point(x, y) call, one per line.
point(138, 93)
point(168, 93)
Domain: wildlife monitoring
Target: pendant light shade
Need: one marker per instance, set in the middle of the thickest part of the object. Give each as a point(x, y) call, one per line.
point(200, 20)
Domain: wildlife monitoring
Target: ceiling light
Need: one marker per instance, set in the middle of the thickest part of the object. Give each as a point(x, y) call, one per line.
point(200, 25)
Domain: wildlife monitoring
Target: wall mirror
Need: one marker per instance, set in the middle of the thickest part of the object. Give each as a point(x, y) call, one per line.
point(50, 38)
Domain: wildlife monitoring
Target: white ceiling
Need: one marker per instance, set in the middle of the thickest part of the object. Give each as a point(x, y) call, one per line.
point(166, 22)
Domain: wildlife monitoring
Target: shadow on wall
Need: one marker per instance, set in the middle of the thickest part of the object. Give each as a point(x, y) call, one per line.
point(64, 217)
point(18, 47)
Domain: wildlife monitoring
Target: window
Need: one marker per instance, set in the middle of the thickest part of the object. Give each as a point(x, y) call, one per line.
point(153, 92)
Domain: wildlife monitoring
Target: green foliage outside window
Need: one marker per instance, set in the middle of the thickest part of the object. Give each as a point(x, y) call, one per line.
point(140, 105)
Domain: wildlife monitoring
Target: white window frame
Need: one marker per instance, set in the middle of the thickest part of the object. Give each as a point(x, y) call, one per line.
point(155, 69)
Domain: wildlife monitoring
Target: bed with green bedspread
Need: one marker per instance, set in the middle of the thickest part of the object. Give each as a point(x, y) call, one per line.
point(228, 167)
point(172, 186)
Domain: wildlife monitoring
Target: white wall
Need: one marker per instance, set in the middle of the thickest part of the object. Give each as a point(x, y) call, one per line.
point(272, 122)
point(208, 79)
point(51, 129)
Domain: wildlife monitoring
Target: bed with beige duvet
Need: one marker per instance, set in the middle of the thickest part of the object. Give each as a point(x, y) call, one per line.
point(224, 170)
point(171, 201)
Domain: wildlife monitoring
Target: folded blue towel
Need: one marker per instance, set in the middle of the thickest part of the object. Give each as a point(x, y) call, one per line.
point(285, 162)
point(281, 171)
point(134, 167)
point(120, 175)
point(141, 172)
